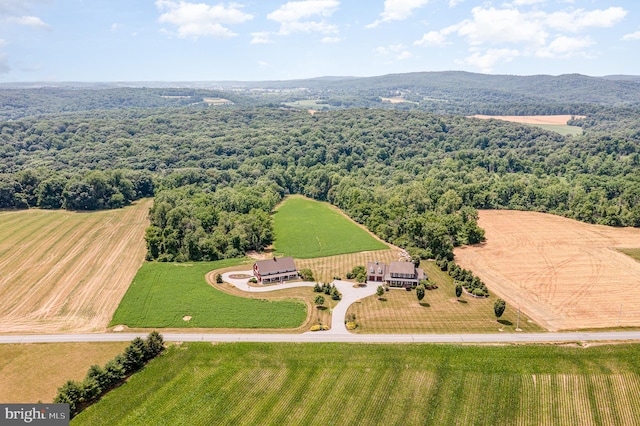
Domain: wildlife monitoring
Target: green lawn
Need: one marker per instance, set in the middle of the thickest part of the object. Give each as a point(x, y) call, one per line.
point(351, 384)
point(307, 229)
point(401, 312)
point(161, 294)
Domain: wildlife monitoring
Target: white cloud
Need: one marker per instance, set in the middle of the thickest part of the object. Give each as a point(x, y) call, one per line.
point(527, 2)
point(331, 39)
point(500, 25)
point(295, 16)
point(405, 54)
point(432, 38)
point(397, 10)
point(564, 47)
point(4, 64)
point(115, 27)
point(632, 36)
point(454, 3)
point(199, 19)
point(487, 60)
point(391, 49)
point(496, 35)
point(263, 64)
point(579, 20)
point(29, 21)
point(260, 38)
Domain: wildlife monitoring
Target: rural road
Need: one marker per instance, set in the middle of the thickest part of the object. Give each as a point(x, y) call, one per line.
point(338, 332)
point(319, 337)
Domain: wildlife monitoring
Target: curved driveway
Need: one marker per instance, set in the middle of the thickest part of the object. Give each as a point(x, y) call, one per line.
point(349, 295)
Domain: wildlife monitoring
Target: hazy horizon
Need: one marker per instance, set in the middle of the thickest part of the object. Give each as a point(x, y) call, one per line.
point(250, 40)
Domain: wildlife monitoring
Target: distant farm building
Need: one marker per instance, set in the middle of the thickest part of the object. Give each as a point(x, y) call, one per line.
point(275, 270)
point(396, 274)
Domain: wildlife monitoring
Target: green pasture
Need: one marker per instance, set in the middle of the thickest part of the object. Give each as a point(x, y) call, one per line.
point(309, 104)
point(307, 229)
point(360, 384)
point(563, 129)
point(161, 294)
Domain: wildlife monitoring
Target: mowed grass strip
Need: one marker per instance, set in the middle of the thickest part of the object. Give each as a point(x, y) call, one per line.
point(401, 312)
point(632, 252)
point(33, 372)
point(162, 294)
point(355, 384)
point(307, 229)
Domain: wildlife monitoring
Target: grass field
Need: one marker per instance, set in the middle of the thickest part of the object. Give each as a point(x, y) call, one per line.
point(162, 294)
point(402, 313)
point(325, 268)
point(634, 253)
point(350, 384)
point(564, 274)
point(33, 372)
point(62, 271)
point(555, 123)
point(307, 229)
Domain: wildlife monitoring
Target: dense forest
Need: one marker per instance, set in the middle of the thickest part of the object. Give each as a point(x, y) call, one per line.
point(413, 178)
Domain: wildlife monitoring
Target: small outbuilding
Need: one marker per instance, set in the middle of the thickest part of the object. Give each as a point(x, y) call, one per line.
point(275, 270)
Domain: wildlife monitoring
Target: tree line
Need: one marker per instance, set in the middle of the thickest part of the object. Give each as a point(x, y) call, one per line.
point(415, 179)
point(100, 380)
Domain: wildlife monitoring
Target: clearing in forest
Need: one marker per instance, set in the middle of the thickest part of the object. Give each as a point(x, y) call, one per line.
point(62, 271)
point(292, 383)
point(556, 123)
point(306, 229)
point(563, 273)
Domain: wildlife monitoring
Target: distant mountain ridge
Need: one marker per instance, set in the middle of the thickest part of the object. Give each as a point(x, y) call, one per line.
point(448, 92)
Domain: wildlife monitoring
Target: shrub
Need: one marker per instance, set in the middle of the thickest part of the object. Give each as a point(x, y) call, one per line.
point(477, 292)
point(337, 278)
point(317, 327)
point(317, 288)
point(499, 307)
point(253, 280)
point(319, 300)
point(218, 279)
point(335, 294)
point(351, 325)
point(306, 274)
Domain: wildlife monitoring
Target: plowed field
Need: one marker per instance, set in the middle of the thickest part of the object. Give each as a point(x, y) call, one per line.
point(62, 271)
point(563, 273)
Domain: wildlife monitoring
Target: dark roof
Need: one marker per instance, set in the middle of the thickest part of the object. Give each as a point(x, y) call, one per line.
point(276, 266)
point(402, 268)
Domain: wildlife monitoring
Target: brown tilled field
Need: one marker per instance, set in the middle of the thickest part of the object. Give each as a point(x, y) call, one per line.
point(531, 119)
point(62, 271)
point(563, 273)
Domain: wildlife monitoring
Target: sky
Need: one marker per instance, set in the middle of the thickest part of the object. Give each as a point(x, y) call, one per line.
point(203, 40)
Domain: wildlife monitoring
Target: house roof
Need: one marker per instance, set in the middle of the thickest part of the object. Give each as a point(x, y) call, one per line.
point(402, 268)
point(276, 265)
point(376, 265)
